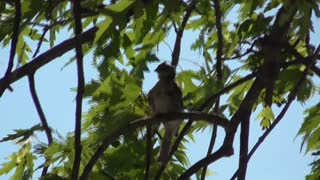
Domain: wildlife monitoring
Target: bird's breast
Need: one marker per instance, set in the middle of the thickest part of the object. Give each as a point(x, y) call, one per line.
point(164, 102)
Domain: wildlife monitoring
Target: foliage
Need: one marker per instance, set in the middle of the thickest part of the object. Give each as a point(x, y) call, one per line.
point(236, 60)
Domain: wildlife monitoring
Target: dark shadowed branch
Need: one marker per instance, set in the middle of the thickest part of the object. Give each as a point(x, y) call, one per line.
point(187, 126)
point(174, 61)
point(47, 57)
point(219, 79)
point(42, 117)
point(226, 89)
point(15, 35)
point(249, 50)
point(271, 46)
point(148, 151)
point(244, 112)
point(177, 45)
point(291, 97)
point(196, 116)
point(45, 30)
point(80, 90)
point(222, 152)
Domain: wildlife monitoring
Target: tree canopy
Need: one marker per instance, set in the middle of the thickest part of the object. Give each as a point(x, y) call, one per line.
point(258, 54)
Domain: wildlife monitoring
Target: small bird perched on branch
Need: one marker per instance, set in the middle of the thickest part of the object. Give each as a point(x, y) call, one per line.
point(166, 97)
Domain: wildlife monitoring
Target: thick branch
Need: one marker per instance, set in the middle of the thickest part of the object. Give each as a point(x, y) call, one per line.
point(204, 105)
point(80, 90)
point(47, 57)
point(291, 97)
point(174, 61)
point(244, 146)
point(222, 152)
point(210, 118)
point(244, 111)
point(219, 79)
point(15, 35)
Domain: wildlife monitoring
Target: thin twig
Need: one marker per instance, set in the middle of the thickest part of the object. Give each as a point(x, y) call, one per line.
point(226, 89)
point(222, 152)
point(14, 42)
point(148, 151)
point(45, 30)
point(42, 117)
point(210, 149)
point(249, 50)
point(80, 90)
point(196, 116)
point(291, 97)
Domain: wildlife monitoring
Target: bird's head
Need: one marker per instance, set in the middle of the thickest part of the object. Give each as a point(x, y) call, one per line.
point(166, 71)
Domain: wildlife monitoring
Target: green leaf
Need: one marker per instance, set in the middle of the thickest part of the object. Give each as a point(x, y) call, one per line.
point(30, 8)
point(53, 177)
point(236, 97)
point(306, 91)
point(22, 135)
point(22, 161)
point(142, 26)
point(131, 91)
point(7, 167)
point(120, 6)
point(266, 116)
point(310, 128)
point(103, 28)
point(185, 80)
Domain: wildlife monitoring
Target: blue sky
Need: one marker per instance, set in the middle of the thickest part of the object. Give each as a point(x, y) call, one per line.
point(279, 157)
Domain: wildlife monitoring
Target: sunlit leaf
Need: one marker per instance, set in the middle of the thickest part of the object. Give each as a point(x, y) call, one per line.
point(266, 116)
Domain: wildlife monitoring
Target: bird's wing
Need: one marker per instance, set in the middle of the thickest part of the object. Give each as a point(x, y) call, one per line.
point(151, 97)
point(177, 96)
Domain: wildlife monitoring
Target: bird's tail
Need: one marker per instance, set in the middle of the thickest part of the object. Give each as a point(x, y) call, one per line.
point(165, 147)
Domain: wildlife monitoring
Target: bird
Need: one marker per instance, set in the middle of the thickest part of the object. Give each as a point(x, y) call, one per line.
point(166, 97)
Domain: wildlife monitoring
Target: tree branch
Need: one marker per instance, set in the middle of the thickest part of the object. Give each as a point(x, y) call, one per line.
point(14, 42)
point(148, 151)
point(47, 57)
point(80, 90)
point(42, 118)
point(45, 30)
point(226, 89)
point(174, 62)
point(244, 111)
point(249, 50)
point(222, 152)
point(210, 149)
point(177, 45)
point(291, 97)
point(244, 146)
point(299, 59)
point(219, 80)
point(210, 118)
point(186, 127)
